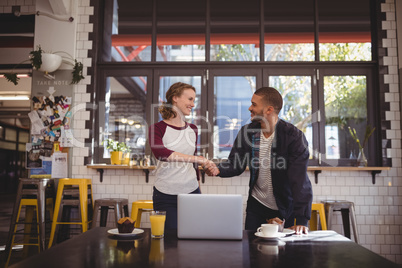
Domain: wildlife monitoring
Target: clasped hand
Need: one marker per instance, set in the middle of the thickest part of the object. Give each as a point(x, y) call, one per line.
point(210, 168)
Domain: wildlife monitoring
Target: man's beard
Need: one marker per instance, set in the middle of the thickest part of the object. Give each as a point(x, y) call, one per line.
point(257, 118)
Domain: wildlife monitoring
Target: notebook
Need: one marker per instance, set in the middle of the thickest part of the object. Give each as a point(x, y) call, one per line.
point(210, 216)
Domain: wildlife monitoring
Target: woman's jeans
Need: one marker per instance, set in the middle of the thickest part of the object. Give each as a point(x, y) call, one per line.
point(168, 203)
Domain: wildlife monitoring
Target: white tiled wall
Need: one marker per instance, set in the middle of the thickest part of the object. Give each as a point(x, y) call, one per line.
point(378, 207)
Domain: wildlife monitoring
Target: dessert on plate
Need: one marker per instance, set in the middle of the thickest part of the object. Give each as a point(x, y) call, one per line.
point(125, 225)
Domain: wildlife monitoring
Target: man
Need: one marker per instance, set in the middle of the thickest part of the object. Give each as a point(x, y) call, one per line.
point(277, 154)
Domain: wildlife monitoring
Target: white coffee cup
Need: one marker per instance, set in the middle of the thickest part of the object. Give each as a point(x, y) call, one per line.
point(268, 229)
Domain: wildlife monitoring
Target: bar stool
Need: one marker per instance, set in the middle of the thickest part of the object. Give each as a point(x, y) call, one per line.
point(84, 202)
point(118, 204)
point(36, 195)
point(138, 207)
point(347, 209)
point(318, 207)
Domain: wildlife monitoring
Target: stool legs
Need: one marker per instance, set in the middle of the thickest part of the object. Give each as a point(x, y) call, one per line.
point(318, 207)
point(347, 210)
point(353, 220)
point(84, 206)
point(119, 205)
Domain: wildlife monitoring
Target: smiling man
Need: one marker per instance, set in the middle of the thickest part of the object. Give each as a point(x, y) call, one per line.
point(277, 154)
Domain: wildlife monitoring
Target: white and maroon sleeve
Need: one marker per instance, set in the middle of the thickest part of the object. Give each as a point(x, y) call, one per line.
point(155, 135)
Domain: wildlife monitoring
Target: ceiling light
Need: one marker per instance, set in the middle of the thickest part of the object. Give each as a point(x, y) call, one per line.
point(18, 75)
point(15, 97)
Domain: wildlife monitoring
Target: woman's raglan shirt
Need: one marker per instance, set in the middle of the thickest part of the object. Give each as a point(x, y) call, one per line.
point(174, 177)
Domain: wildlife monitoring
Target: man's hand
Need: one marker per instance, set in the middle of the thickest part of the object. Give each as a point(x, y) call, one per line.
point(210, 168)
point(300, 229)
point(278, 221)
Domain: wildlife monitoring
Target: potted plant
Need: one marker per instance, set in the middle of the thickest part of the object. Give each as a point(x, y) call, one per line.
point(119, 152)
point(49, 62)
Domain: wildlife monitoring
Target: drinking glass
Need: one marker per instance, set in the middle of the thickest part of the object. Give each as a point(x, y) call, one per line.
point(157, 219)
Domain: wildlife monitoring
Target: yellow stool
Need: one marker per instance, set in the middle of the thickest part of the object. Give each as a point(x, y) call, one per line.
point(318, 207)
point(84, 205)
point(31, 206)
point(138, 207)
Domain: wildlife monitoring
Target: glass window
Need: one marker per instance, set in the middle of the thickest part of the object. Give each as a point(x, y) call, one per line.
point(23, 136)
point(125, 112)
point(345, 106)
point(289, 32)
point(235, 30)
point(344, 33)
point(296, 94)
point(232, 100)
point(11, 134)
point(129, 36)
point(180, 30)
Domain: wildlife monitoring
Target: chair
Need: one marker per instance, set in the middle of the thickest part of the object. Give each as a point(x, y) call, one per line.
point(117, 204)
point(35, 195)
point(138, 207)
point(318, 207)
point(347, 210)
point(66, 192)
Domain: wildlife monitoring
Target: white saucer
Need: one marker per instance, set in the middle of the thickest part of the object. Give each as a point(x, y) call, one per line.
point(115, 231)
point(278, 235)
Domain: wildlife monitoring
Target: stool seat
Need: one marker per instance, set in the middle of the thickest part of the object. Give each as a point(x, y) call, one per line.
point(39, 194)
point(118, 204)
point(138, 207)
point(71, 189)
point(318, 207)
point(347, 209)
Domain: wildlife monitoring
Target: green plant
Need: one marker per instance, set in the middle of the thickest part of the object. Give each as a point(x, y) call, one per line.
point(35, 59)
point(116, 146)
point(367, 135)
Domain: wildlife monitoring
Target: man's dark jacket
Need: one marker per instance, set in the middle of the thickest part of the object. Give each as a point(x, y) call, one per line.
point(289, 159)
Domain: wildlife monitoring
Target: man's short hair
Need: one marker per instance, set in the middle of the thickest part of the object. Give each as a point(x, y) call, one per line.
point(271, 97)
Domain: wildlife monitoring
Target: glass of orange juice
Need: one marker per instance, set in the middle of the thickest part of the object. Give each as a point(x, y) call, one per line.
point(157, 219)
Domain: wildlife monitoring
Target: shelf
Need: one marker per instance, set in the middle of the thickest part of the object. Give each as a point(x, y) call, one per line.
point(316, 169)
point(374, 170)
point(101, 167)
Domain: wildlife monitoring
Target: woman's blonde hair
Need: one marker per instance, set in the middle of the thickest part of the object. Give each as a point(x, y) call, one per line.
point(166, 109)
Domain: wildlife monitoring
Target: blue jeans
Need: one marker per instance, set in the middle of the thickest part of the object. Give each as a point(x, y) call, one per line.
point(257, 214)
point(168, 203)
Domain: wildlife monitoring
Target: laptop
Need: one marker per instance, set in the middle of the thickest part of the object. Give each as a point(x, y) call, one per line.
point(210, 216)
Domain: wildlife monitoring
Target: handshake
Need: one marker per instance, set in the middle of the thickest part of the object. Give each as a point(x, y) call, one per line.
point(209, 167)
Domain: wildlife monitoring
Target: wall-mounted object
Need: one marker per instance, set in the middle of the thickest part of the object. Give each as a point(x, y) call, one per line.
point(49, 62)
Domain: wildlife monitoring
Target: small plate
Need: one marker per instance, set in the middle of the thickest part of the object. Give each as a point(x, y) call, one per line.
point(279, 234)
point(115, 231)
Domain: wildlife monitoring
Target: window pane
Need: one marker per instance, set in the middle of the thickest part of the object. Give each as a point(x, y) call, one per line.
point(125, 112)
point(195, 116)
point(233, 98)
point(24, 136)
point(180, 30)
point(289, 32)
point(128, 30)
point(11, 134)
point(344, 33)
point(345, 106)
point(235, 30)
point(296, 94)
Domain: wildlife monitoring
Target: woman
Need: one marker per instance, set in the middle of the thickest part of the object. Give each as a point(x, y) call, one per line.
point(174, 144)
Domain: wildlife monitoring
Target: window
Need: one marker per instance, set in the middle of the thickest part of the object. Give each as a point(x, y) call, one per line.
point(316, 53)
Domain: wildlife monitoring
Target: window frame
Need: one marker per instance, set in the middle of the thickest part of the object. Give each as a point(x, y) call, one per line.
point(374, 102)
